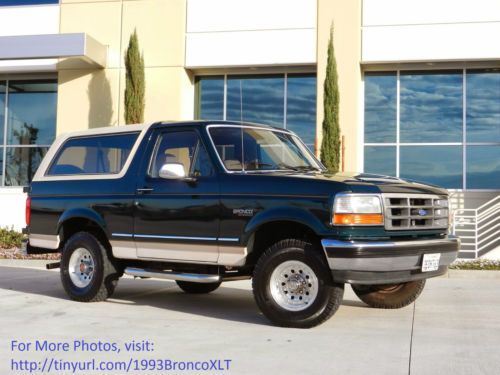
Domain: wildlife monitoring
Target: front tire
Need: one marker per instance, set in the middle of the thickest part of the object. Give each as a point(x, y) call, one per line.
point(87, 273)
point(389, 296)
point(293, 286)
point(197, 288)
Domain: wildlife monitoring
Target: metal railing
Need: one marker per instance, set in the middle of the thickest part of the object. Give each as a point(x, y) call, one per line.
point(478, 228)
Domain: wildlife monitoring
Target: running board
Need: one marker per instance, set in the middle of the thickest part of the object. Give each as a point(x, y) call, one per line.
point(169, 275)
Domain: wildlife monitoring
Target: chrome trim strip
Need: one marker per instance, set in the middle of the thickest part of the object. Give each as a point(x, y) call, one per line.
point(174, 237)
point(229, 239)
point(224, 239)
point(127, 235)
point(45, 241)
point(387, 244)
point(169, 275)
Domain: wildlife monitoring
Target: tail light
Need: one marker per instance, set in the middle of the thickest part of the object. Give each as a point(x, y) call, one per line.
point(28, 210)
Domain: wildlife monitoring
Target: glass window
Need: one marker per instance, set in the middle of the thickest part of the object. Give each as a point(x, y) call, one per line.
point(3, 88)
point(380, 160)
point(210, 98)
point(93, 155)
point(185, 148)
point(301, 107)
point(22, 163)
point(1, 164)
point(483, 106)
point(257, 99)
point(261, 99)
point(483, 167)
point(249, 149)
point(438, 165)
point(431, 116)
point(31, 127)
point(431, 107)
point(32, 112)
point(27, 2)
point(380, 108)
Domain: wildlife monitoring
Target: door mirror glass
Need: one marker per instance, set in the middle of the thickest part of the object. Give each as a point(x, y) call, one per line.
point(172, 171)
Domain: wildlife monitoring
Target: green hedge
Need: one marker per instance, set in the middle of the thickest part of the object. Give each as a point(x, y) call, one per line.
point(476, 264)
point(10, 238)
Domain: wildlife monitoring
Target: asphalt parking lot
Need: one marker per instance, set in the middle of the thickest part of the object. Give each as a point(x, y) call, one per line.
point(453, 328)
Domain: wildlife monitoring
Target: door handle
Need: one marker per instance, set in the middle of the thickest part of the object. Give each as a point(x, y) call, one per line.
point(144, 190)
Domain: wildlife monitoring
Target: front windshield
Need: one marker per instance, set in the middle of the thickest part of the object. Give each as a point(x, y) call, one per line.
point(255, 149)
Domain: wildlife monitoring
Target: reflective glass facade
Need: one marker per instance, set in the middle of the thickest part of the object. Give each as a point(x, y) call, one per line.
point(281, 100)
point(27, 2)
point(28, 129)
point(439, 127)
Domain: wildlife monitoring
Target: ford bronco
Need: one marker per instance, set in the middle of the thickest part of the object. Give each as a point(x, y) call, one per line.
point(206, 202)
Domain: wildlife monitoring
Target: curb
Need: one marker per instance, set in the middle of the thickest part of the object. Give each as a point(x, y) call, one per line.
point(25, 263)
point(472, 274)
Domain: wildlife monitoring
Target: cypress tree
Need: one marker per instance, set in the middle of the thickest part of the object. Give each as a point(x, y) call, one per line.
point(135, 84)
point(330, 145)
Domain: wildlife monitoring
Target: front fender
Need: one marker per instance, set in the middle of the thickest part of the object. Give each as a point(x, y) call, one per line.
point(290, 214)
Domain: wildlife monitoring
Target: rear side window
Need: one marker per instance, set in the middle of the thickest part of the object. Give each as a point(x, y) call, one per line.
point(93, 155)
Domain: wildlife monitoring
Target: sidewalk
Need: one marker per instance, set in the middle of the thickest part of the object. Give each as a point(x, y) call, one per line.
point(453, 328)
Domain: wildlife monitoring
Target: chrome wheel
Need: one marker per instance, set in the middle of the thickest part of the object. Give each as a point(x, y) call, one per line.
point(294, 285)
point(81, 267)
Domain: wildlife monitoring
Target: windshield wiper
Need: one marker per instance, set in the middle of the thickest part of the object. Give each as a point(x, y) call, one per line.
point(298, 167)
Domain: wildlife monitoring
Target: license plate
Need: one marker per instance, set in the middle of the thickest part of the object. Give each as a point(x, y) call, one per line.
point(430, 262)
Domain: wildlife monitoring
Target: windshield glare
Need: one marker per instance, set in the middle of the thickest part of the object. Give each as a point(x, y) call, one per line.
point(254, 149)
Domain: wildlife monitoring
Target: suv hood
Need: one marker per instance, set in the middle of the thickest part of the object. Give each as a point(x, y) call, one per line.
point(364, 183)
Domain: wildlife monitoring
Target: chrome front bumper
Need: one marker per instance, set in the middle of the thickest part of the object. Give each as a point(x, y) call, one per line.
point(382, 262)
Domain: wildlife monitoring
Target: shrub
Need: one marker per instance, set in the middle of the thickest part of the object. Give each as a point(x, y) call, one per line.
point(135, 84)
point(9, 238)
point(476, 264)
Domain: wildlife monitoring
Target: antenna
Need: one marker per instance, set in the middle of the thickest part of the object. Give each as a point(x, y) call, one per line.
point(241, 128)
point(241, 101)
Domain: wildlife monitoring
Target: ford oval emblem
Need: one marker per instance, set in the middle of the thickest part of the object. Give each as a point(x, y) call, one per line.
point(422, 212)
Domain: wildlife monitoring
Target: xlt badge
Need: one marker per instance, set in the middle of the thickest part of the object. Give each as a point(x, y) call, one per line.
point(243, 211)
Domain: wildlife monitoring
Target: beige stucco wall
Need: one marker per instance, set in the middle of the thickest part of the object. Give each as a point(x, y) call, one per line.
point(346, 17)
point(94, 97)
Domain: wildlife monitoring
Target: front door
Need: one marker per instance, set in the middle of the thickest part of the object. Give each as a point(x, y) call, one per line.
point(177, 220)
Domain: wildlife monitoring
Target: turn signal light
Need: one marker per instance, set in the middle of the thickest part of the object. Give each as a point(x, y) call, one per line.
point(358, 219)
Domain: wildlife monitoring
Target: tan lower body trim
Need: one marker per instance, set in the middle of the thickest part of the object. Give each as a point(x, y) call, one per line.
point(232, 255)
point(124, 249)
point(180, 252)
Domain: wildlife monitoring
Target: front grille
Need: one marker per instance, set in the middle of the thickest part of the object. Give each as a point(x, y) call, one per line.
point(415, 211)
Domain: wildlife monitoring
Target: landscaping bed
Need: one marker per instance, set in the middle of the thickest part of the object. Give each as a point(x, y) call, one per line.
point(10, 243)
point(476, 264)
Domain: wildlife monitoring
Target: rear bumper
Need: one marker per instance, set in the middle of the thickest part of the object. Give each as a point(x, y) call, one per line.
point(383, 262)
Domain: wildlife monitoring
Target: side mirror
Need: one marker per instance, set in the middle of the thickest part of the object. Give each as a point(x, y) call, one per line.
point(172, 171)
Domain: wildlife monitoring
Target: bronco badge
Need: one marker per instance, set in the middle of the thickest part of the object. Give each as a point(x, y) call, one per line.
point(243, 211)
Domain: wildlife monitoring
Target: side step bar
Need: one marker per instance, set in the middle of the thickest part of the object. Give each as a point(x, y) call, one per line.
point(169, 275)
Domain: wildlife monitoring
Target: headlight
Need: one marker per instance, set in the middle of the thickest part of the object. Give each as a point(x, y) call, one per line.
point(357, 210)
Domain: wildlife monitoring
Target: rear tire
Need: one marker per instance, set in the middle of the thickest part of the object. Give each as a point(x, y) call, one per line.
point(197, 288)
point(293, 286)
point(87, 273)
point(389, 296)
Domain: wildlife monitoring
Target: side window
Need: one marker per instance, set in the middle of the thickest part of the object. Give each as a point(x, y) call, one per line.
point(184, 147)
point(105, 154)
point(228, 142)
